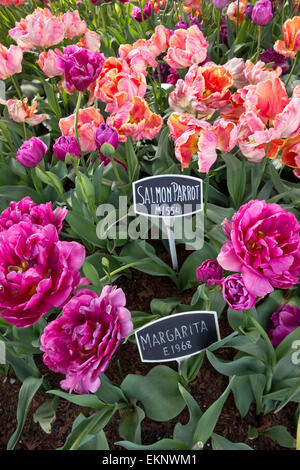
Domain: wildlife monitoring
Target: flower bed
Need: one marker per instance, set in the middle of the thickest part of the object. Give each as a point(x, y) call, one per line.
point(149, 203)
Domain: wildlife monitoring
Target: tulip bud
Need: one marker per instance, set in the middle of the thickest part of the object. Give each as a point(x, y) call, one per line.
point(66, 145)
point(106, 135)
point(219, 4)
point(31, 152)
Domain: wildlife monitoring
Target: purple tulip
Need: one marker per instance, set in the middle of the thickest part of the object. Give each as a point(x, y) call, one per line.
point(64, 145)
point(106, 136)
point(285, 320)
point(236, 294)
point(31, 152)
point(80, 66)
point(173, 76)
point(262, 12)
point(248, 11)
point(219, 4)
point(224, 33)
point(185, 25)
point(209, 271)
point(270, 55)
point(137, 12)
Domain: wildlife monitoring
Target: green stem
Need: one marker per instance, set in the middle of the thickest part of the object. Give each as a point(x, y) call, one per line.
point(122, 268)
point(238, 18)
point(76, 116)
point(206, 188)
point(117, 175)
point(259, 31)
point(292, 69)
point(260, 174)
point(218, 34)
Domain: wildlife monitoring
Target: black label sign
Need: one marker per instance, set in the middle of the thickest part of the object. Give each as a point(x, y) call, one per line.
point(168, 195)
point(177, 336)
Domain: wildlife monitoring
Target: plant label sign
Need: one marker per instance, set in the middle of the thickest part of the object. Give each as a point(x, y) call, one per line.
point(177, 336)
point(168, 196)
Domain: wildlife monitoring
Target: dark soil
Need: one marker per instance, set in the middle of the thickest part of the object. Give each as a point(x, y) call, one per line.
point(208, 386)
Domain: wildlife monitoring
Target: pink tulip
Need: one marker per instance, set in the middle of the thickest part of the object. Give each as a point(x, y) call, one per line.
point(186, 47)
point(47, 62)
point(264, 246)
point(89, 119)
point(19, 111)
point(10, 61)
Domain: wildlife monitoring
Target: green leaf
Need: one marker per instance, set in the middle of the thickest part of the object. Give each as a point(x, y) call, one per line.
point(185, 433)
point(24, 367)
point(91, 425)
point(220, 443)
point(209, 419)
point(242, 393)
point(86, 400)
point(51, 179)
point(130, 424)
point(46, 414)
point(286, 345)
point(132, 161)
point(85, 229)
point(157, 391)
point(243, 366)
point(91, 273)
point(109, 392)
point(280, 435)
point(235, 178)
point(163, 444)
point(191, 366)
point(163, 307)
point(27, 391)
point(52, 99)
point(294, 390)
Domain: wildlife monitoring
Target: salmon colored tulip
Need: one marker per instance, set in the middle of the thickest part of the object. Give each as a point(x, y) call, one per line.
point(47, 62)
point(10, 61)
point(19, 111)
point(134, 119)
point(232, 10)
point(236, 107)
point(90, 40)
point(74, 26)
point(256, 73)
point(89, 119)
point(8, 3)
point(193, 4)
point(159, 41)
point(203, 90)
point(290, 154)
point(194, 137)
point(267, 99)
point(157, 5)
point(108, 86)
point(237, 67)
point(39, 30)
point(186, 47)
point(291, 34)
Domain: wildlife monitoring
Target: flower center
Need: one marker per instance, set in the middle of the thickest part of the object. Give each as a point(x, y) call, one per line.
point(20, 269)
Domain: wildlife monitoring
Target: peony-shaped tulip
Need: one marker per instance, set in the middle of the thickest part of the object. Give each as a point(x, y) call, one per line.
point(264, 246)
point(209, 271)
point(89, 119)
point(82, 341)
point(31, 152)
point(37, 272)
point(283, 322)
point(28, 211)
point(186, 47)
point(10, 61)
point(236, 294)
point(91, 41)
point(80, 66)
